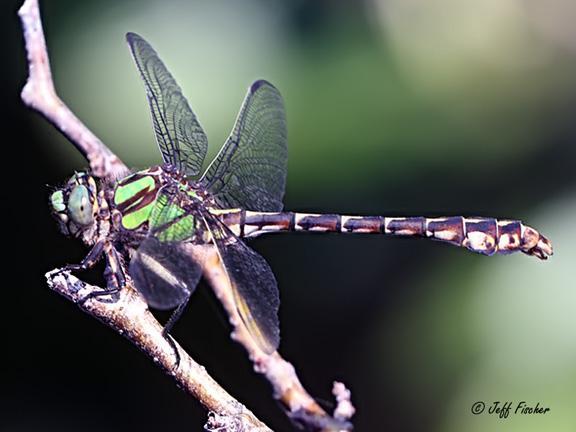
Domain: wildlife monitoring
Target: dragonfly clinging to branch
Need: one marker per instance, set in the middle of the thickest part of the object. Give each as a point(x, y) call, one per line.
point(154, 218)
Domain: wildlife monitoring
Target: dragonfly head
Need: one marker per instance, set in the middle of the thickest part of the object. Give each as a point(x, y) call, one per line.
point(75, 206)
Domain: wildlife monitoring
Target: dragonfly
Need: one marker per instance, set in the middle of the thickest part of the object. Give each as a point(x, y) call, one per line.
point(146, 224)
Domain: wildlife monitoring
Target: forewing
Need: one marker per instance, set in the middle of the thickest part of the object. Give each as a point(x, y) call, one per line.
point(253, 284)
point(250, 170)
point(180, 137)
point(162, 270)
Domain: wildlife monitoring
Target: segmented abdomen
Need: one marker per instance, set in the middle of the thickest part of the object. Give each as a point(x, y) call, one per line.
point(482, 235)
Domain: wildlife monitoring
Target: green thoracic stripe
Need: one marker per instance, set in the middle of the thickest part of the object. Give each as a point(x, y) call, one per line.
point(131, 186)
point(170, 221)
point(134, 219)
point(182, 229)
point(135, 197)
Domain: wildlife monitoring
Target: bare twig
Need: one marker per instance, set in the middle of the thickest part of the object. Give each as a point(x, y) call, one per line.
point(287, 387)
point(344, 409)
point(39, 94)
point(130, 317)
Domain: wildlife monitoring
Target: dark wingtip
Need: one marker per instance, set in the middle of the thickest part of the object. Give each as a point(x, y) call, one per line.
point(260, 83)
point(133, 37)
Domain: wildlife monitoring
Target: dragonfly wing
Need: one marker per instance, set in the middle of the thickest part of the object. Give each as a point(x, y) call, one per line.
point(163, 272)
point(181, 139)
point(253, 285)
point(250, 170)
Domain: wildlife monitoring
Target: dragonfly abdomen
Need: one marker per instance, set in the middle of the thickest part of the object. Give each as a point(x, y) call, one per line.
point(487, 236)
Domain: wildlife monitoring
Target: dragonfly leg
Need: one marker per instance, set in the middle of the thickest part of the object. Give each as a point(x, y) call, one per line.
point(89, 260)
point(168, 327)
point(114, 275)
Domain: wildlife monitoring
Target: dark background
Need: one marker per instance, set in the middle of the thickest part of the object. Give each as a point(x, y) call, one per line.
point(427, 107)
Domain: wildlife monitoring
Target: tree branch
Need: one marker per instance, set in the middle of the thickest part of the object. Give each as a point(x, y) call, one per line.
point(39, 94)
point(129, 316)
point(300, 406)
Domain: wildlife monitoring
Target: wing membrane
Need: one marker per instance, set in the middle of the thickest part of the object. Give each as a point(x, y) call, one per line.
point(180, 137)
point(253, 284)
point(163, 272)
point(250, 170)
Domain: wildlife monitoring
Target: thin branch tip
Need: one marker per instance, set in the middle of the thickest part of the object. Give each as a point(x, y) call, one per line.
point(40, 94)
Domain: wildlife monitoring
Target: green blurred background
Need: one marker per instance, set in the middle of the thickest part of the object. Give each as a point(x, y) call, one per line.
point(394, 107)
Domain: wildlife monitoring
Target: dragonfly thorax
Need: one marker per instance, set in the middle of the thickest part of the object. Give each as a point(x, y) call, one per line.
point(75, 206)
point(135, 196)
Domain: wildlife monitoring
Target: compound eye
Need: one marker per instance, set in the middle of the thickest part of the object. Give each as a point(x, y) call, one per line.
point(79, 206)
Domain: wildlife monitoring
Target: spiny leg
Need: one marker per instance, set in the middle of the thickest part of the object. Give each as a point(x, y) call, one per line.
point(88, 261)
point(168, 327)
point(114, 275)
